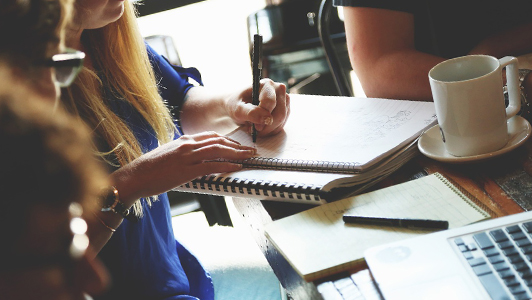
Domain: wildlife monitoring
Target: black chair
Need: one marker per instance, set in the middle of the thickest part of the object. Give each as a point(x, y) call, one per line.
point(213, 207)
point(339, 74)
point(292, 52)
point(164, 45)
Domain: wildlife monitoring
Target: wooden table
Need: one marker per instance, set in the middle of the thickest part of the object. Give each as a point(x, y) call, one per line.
point(504, 184)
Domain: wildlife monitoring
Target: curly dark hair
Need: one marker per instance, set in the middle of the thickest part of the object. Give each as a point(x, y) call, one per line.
point(30, 28)
point(46, 158)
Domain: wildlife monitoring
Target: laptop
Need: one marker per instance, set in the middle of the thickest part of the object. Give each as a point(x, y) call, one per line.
point(486, 260)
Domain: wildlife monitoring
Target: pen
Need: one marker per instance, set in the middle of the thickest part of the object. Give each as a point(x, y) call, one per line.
point(397, 222)
point(257, 68)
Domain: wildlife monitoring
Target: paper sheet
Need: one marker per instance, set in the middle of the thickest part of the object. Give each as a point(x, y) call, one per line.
point(317, 239)
point(349, 130)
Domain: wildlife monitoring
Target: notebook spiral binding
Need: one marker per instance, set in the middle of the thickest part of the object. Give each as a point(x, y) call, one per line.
point(257, 188)
point(299, 165)
point(468, 196)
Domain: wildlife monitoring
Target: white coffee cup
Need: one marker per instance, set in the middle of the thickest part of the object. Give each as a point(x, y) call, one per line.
point(469, 101)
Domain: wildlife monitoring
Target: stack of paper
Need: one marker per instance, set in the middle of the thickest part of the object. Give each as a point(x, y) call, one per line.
point(328, 144)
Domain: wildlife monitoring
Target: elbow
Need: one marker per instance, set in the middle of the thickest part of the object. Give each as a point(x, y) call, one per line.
point(367, 74)
point(371, 83)
point(371, 88)
point(378, 91)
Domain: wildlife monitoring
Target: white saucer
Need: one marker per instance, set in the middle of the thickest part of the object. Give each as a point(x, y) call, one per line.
point(431, 144)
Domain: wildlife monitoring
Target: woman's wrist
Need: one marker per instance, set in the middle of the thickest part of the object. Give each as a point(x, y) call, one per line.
point(128, 191)
point(112, 229)
point(126, 182)
point(102, 225)
point(110, 202)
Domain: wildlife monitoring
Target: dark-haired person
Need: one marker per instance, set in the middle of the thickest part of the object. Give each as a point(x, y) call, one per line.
point(48, 177)
point(393, 44)
point(32, 48)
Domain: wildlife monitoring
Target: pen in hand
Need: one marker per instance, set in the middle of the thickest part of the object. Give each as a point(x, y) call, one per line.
point(257, 68)
point(397, 222)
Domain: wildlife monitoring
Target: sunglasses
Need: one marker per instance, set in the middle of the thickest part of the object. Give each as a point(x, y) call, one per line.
point(67, 66)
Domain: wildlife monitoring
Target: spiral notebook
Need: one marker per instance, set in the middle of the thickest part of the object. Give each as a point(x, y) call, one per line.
point(329, 146)
point(318, 243)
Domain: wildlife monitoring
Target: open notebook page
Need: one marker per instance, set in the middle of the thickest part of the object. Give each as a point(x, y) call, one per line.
point(317, 243)
point(344, 129)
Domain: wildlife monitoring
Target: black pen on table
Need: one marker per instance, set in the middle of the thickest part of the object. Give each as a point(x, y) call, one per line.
point(257, 68)
point(397, 222)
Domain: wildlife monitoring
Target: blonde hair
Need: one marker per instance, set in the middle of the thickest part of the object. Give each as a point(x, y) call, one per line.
point(119, 52)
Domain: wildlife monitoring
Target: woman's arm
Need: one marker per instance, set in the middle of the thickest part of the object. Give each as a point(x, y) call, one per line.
point(190, 156)
point(166, 167)
point(206, 110)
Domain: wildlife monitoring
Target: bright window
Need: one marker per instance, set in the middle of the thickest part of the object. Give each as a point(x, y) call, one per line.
point(212, 36)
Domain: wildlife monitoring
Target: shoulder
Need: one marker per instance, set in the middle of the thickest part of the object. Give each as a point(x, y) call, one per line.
point(162, 68)
point(172, 80)
point(155, 58)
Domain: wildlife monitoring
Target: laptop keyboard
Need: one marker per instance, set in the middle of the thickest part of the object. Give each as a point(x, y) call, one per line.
point(501, 258)
point(358, 286)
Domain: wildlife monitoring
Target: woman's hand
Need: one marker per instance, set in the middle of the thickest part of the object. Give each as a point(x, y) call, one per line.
point(269, 116)
point(176, 163)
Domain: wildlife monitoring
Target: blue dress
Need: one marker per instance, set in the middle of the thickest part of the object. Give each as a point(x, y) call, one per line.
point(144, 258)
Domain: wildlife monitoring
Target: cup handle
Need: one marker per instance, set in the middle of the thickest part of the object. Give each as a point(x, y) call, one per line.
point(512, 83)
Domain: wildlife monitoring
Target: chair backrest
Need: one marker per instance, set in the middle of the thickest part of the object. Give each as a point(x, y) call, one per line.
point(342, 81)
point(164, 45)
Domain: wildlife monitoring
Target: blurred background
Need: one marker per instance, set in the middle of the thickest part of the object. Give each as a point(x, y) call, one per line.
point(214, 36)
point(209, 35)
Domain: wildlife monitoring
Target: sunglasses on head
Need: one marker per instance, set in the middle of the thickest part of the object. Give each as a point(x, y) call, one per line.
point(67, 65)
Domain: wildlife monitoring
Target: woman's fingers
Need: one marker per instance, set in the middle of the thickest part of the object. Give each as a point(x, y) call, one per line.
point(226, 142)
point(211, 146)
point(271, 113)
point(201, 136)
point(271, 94)
point(204, 159)
point(280, 116)
point(182, 160)
point(211, 137)
point(220, 151)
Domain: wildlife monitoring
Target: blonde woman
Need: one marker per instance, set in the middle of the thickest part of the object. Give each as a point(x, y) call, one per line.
point(120, 95)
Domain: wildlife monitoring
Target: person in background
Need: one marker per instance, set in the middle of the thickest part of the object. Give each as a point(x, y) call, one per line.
point(394, 44)
point(47, 176)
point(123, 94)
point(33, 49)
point(47, 180)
